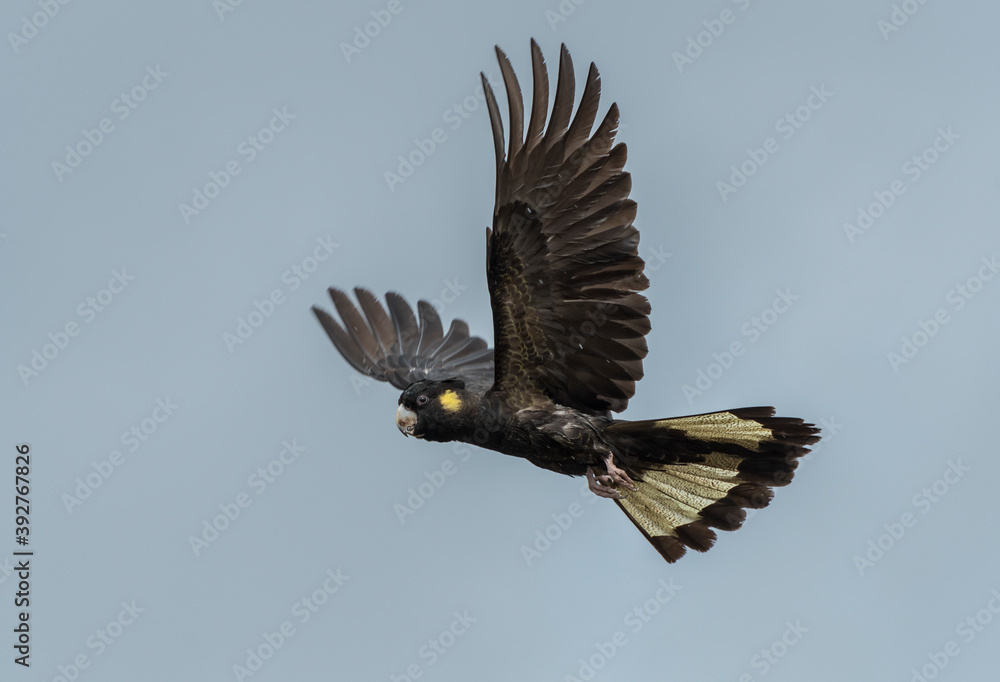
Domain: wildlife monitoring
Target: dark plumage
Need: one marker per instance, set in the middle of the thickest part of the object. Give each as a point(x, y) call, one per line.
point(564, 276)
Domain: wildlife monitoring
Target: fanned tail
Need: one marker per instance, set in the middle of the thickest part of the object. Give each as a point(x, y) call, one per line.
point(700, 472)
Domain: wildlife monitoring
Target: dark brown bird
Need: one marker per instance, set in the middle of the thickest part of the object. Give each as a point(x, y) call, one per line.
point(569, 327)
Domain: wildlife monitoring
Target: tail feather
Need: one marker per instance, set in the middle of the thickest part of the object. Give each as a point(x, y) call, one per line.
point(697, 473)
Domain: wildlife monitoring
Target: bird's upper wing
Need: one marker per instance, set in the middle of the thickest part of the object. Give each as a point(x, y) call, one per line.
point(394, 346)
point(562, 258)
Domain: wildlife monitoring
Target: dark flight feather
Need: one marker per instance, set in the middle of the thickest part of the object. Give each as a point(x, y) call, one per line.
point(562, 258)
point(397, 348)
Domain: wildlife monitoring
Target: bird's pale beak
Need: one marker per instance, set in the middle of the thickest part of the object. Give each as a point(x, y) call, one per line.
point(406, 419)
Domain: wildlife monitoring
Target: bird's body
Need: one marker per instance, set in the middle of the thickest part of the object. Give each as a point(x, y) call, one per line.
point(548, 435)
point(564, 276)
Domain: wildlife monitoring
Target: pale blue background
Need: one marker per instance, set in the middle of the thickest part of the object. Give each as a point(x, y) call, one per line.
point(713, 265)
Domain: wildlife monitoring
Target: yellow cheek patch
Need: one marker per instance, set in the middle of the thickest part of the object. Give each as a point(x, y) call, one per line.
point(450, 401)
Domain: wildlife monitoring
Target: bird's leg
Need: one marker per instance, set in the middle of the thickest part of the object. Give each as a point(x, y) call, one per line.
point(618, 476)
point(606, 485)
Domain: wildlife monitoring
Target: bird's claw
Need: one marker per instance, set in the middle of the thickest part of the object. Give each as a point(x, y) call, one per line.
point(609, 485)
point(602, 486)
point(618, 476)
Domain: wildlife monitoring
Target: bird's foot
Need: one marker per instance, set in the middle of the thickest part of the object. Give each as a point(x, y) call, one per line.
point(609, 484)
point(602, 486)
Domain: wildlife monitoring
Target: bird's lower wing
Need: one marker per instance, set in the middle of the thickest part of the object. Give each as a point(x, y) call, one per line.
point(397, 347)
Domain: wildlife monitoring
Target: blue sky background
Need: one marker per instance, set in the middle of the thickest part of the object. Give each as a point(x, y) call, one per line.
point(889, 110)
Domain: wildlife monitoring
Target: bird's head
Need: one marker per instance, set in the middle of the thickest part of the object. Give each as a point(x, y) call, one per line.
point(434, 410)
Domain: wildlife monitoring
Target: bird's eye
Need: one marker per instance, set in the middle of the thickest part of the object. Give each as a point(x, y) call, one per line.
point(422, 399)
point(530, 213)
